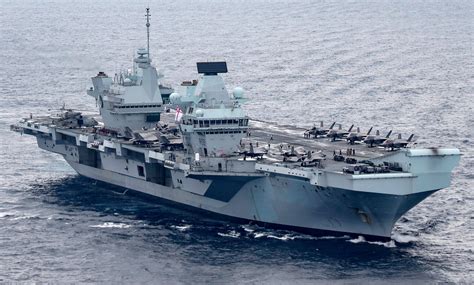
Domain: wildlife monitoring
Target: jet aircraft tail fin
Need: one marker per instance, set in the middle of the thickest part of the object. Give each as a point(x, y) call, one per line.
point(368, 132)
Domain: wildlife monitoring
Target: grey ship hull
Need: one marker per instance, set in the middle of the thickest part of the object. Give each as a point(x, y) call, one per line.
point(280, 202)
point(308, 199)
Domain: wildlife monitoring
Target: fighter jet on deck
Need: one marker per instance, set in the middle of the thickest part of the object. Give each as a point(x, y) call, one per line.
point(252, 152)
point(338, 134)
point(397, 143)
point(318, 131)
point(171, 142)
point(377, 139)
point(140, 138)
point(353, 137)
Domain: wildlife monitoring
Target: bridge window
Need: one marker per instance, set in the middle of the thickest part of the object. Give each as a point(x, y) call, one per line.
point(206, 123)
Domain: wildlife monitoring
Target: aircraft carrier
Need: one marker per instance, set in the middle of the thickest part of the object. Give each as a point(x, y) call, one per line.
point(196, 147)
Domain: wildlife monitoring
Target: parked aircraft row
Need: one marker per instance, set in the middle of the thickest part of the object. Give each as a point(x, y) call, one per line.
point(357, 136)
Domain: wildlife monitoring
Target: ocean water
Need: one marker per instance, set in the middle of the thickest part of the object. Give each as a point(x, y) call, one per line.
point(406, 65)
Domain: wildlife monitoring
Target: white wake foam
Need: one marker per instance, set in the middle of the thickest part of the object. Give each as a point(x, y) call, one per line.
point(361, 239)
point(181, 228)
point(232, 234)
point(111, 225)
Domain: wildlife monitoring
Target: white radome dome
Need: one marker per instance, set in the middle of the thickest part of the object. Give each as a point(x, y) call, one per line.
point(175, 98)
point(238, 92)
point(199, 113)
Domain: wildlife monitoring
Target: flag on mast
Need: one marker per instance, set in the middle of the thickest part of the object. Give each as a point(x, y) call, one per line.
point(178, 115)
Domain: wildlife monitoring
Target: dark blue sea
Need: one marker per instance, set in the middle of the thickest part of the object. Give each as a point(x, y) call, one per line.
point(405, 65)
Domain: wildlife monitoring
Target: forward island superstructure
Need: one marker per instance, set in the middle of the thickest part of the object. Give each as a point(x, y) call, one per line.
point(206, 153)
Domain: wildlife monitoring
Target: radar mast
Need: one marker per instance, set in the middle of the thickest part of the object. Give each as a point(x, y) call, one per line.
point(148, 30)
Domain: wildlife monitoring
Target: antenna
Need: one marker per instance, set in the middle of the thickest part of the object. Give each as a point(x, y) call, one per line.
point(148, 30)
point(134, 66)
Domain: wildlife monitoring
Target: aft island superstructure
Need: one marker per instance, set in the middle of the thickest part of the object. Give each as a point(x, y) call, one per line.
point(206, 153)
